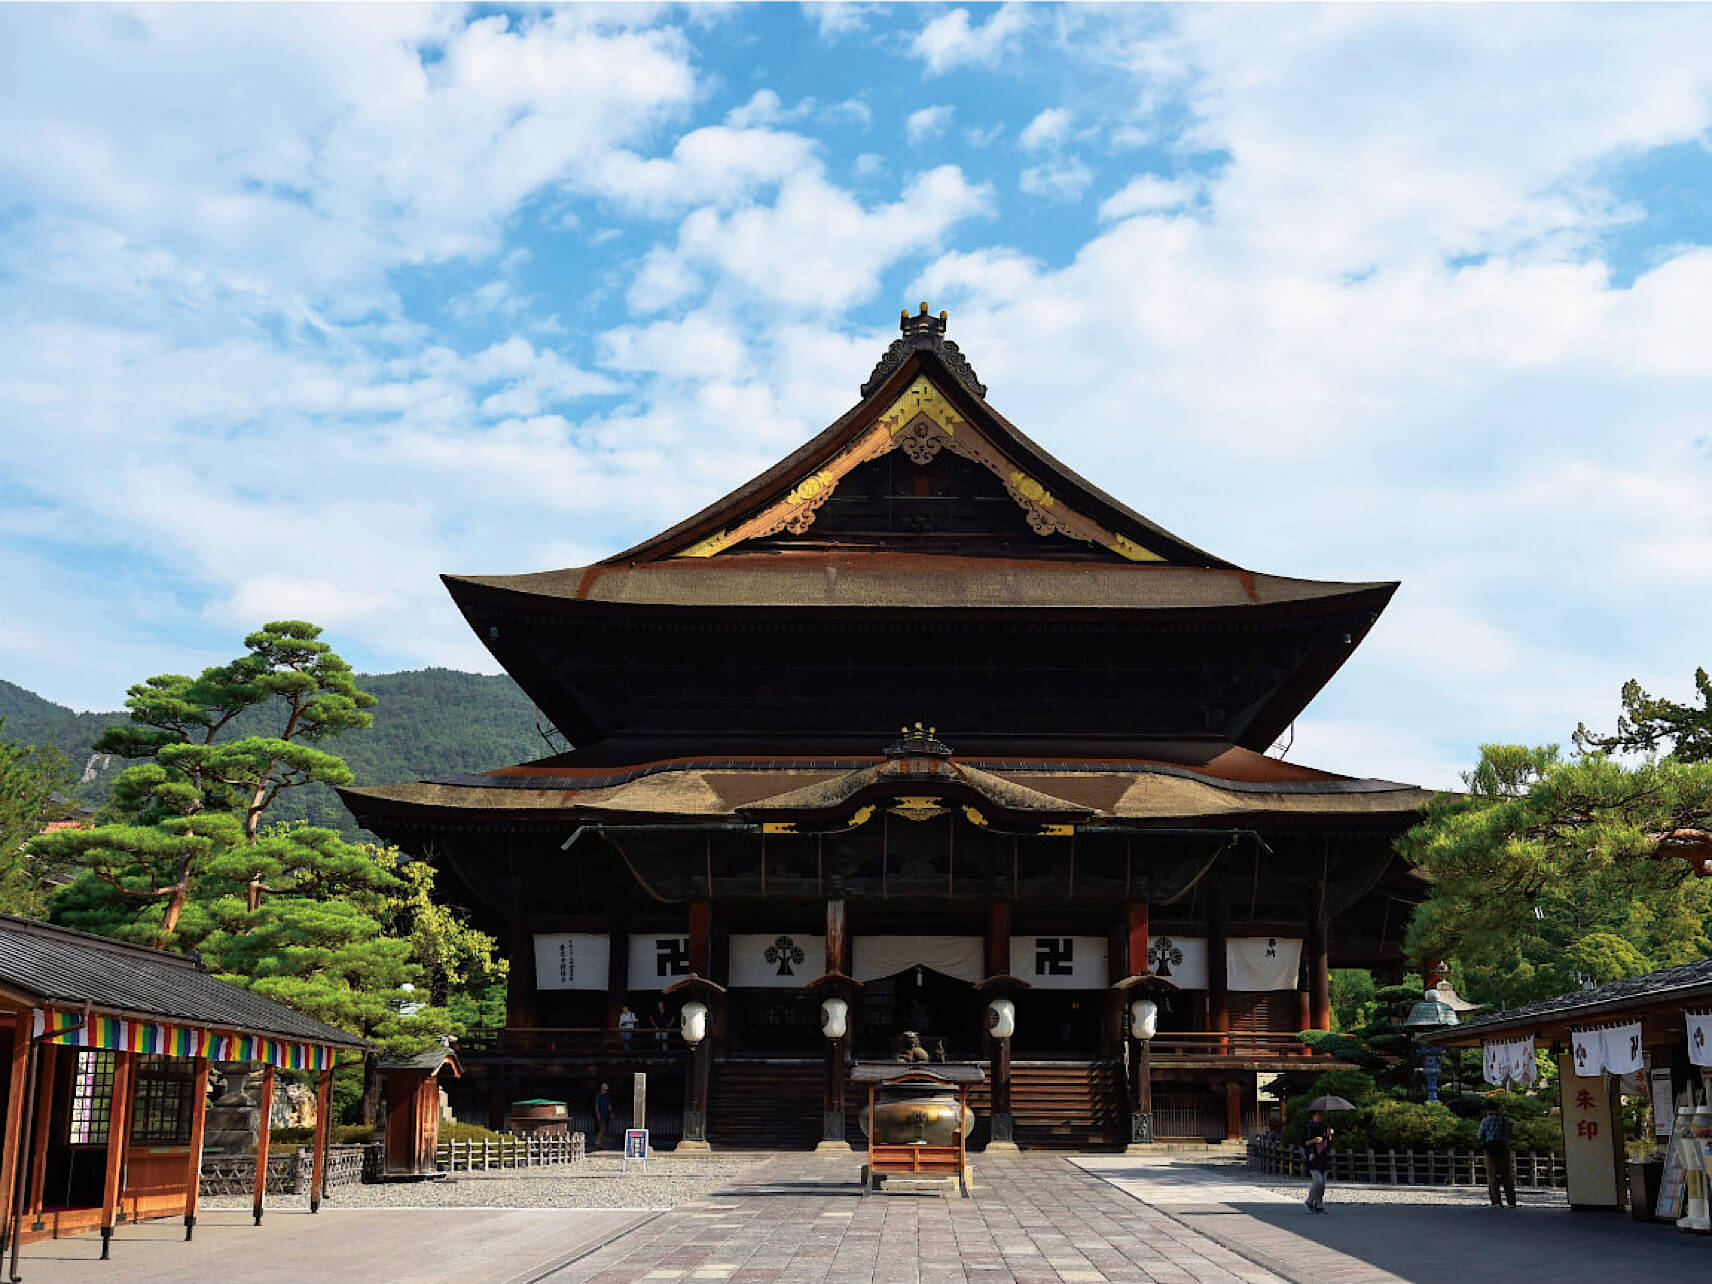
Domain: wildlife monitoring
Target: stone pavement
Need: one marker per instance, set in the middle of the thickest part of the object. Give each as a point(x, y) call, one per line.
point(1372, 1236)
point(1034, 1219)
point(400, 1246)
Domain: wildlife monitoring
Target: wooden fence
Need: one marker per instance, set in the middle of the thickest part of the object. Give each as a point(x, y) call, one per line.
point(290, 1170)
point(1408, 1167)
point(511, 1150)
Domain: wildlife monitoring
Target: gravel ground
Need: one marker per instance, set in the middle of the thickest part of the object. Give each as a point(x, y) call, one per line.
point(597, 1182)
point(1346, 1192)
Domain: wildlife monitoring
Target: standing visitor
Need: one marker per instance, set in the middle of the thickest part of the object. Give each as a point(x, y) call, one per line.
point(602, 1116)
point(1317, 1141)
point(626, 1025)
point(662, 1023)
point(1495, 1136)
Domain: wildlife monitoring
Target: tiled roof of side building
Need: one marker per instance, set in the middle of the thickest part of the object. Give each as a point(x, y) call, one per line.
point(68, 968)
point(1686, 982)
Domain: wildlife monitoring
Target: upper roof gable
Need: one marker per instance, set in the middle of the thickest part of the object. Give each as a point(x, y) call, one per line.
point(922, 399)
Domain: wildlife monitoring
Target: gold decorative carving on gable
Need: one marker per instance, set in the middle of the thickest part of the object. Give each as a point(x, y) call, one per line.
point(921, 423)
point(915, 807)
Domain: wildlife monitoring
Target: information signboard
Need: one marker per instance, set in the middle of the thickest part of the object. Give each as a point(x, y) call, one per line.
point(636, 1147)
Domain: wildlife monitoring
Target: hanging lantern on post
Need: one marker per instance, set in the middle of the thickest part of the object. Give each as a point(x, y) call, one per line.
point(834, 1018)
point(1001, 1018)
point(1143, 1019)
point(692, 1022)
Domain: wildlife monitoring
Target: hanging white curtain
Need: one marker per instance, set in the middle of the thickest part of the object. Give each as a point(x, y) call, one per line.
point(1699, 1037)
point(1495, 1063)
point(1060, 962)
point(1180, 959)
point(1622, 1045)
point(958, 956)
point(1262, 962)
point(1589, 1053)
point(1522, 1067)
point(571, 960)
point(775, 960)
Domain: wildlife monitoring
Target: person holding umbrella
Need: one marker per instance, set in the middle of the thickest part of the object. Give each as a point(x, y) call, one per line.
point(1317, 1143)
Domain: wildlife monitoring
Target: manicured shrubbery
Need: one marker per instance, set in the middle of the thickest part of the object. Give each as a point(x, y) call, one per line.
point(342, 1135)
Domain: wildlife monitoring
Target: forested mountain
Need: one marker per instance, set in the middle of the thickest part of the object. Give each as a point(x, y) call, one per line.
point(429, 722)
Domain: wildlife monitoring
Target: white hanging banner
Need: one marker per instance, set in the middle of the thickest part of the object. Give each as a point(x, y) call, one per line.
point(571, 960)
point(1699, 1037)
point(658, 961)
point(958, 956)
point(1588, 1053)
point(1511, 1061)
point(1061, 962)
point(1523, 1068)
point(1622, 1044)
point(775, 960)
point(1179, 959)
point(1495, 1063)
point(1262, 962)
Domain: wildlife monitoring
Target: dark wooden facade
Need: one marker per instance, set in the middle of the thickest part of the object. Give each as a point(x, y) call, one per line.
point(1091, 788)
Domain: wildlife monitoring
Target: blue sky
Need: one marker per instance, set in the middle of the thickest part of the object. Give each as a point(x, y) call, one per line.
point(301, 307)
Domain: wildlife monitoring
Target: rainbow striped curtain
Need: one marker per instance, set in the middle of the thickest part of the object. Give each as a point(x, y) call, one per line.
point(117, 1034)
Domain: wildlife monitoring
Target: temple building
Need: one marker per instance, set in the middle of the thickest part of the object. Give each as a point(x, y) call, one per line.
point(916, 719)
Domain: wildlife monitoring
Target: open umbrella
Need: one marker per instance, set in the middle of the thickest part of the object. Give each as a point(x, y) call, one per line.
point(1330, 1103)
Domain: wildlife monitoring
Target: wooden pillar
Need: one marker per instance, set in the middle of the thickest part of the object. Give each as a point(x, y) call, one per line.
point(17, 1110)
point(1218, 969)
point(1138, 940)
point(521, 983)
point(1233, 1111)
point(46, 1077)
point(198, 1131)
point(701, 931)
point(618, 980)
point(262, 1140)
point(324, 1127)
point(837, 1050)
point(999, 938)
point(118, 1135)
point(1319, 976)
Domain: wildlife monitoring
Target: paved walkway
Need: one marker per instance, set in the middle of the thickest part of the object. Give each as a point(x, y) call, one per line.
point(1030, 1220)
point(400, 1246)
point(1376, 1235)
point(1033, 1219)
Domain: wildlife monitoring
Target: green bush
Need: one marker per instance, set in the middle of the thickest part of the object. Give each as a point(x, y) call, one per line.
point(456, 1130)
point(1410, 1125)
point(342, 1135)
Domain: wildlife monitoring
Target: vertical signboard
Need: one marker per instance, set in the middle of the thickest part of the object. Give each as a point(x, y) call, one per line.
point(1592, 1138)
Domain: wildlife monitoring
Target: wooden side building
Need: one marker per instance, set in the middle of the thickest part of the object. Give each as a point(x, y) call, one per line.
point(1080, 793)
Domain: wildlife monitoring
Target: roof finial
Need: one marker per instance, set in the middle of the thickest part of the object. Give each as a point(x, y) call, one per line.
point(922, 331)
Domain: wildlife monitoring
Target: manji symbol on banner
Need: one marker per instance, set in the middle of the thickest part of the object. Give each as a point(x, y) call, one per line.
point(1060, 962)
point(657, 961)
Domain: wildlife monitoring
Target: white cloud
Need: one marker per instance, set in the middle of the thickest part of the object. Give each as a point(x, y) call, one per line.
point(979, 137)
point(1057, 180)
point(1150, 194)
point(1048, 129)
point(816, 247)
point(928, 122)
point(720, 164)
point(951, 40)
point(869, 164)
point(838, 18)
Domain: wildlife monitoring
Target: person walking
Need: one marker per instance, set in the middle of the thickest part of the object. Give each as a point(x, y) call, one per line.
point(602, 1116)
point(1317, 1142)
point(1494, 1135)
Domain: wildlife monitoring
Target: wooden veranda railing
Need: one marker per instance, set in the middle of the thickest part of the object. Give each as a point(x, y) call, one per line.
point(1236, 1043)
point(568, 1041)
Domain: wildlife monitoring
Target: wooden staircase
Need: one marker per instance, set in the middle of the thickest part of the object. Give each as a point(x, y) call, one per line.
point(1076, 1104)
point(764, 1105)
